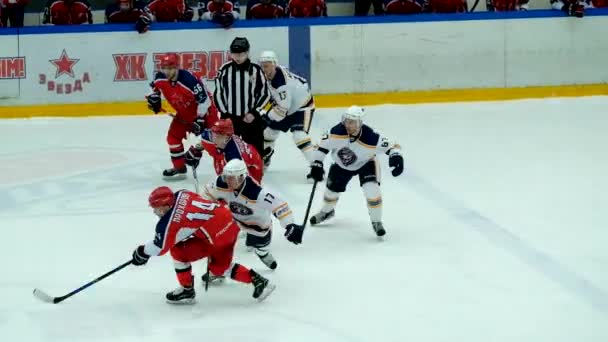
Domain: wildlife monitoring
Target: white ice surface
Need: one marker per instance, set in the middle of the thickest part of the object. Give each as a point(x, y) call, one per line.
point(497, 231)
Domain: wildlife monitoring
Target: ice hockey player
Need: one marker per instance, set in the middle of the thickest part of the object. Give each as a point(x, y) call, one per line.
point(292, 110)
point(191, 228)
point(223, 145)
point(188, 96)
point(354, 146)
point(252, 207)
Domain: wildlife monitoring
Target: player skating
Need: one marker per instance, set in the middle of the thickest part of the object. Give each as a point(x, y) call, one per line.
point(188, 96)
point(252, 207)
point(192, 228)
point(354, 147)
point(292, 110)
point(223, 146)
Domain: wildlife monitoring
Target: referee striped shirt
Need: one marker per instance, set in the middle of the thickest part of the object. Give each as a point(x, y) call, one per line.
point(241, 89)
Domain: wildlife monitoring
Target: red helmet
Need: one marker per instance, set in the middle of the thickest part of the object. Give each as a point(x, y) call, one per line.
point(169, 60)
point(161, 196)
point(223, 127)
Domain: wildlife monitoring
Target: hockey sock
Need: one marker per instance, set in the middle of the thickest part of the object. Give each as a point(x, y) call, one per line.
point(184, 276)
point(177, 156)
point(330, 199)
point(374, 200)
point(304, 143)
point(240, 273)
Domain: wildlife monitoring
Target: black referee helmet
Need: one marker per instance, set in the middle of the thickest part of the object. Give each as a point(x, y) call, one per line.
point(239, 44)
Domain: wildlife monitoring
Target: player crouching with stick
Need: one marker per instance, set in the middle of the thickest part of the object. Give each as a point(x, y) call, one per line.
point(192, 228)
point(354, 146)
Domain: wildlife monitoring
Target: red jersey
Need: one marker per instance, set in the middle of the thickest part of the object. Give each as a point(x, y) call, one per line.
point(447, 6)
point(307, 8)
point(260, 10)
point(599, 3)
point(60, 12)
point(185, 95)
point(222, 7)
point(14, 3)
point(193, 215)
point(236, 148)
point(403, 6)
point(167, 10)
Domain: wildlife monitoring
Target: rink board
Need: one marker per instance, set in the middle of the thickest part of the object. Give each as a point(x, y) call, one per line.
point(106, 69)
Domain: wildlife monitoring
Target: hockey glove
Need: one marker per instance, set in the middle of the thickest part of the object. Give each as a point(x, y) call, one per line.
point(316, 171)
point(140, 257)
point(193, 156)
point(197, 126)
point(266, 121)
point(154, 102)
point(293, 233)
point(574, 9)
point(142, 25)
point(396, 162)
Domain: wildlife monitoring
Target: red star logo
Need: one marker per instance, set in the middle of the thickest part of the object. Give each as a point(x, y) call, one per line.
point(64, 65)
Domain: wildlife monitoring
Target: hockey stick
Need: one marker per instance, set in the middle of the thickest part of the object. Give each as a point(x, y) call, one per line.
point(197, 188)
point(43, 296)
point(312, 195)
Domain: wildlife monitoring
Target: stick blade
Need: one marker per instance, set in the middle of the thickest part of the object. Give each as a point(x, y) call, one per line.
point(43, 296)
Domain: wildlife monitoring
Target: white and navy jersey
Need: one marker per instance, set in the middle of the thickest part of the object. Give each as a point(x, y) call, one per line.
point(351, 153)
point(252, 206)
point(290, 93)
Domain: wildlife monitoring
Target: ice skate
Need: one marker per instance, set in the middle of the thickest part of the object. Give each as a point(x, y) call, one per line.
point(262, 286)
point(269, 261)
point(175, 174)
point(181, 295)
point(213, 279)
point(321, 217)
point(379, 228)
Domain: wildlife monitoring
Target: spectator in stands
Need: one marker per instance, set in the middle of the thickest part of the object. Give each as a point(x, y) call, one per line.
point(265, 9)
point(362, 7)
point(163, 11)
point(447, 6)
point(506, 5)
point(67, 12)
point(597, 4)
point(221, 12)
point(124, 11)
point(12, 11)
point(307, 8)
point(573, 8)
point(404, 6)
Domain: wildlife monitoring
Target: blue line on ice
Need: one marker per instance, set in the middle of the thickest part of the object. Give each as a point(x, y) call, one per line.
point(502, 238)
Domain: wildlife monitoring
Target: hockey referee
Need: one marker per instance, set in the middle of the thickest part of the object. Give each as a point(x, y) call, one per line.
point(241, 93)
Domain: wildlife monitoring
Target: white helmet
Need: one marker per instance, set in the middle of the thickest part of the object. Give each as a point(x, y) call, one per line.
point(235, 167)
point(354, 113)
point(269, 56)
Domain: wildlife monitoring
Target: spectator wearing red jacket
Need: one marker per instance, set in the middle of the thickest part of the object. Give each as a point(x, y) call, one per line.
point(221, 12)
point(265, 9)
point(163, 11)
point(12, 11)
point(67, 12)
point(597, 3)
point(404, 6)
point(447, 6)
point(307, 8)
point(124, 11)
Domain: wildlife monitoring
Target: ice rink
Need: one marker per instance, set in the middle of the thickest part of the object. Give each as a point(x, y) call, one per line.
point(497, 231)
